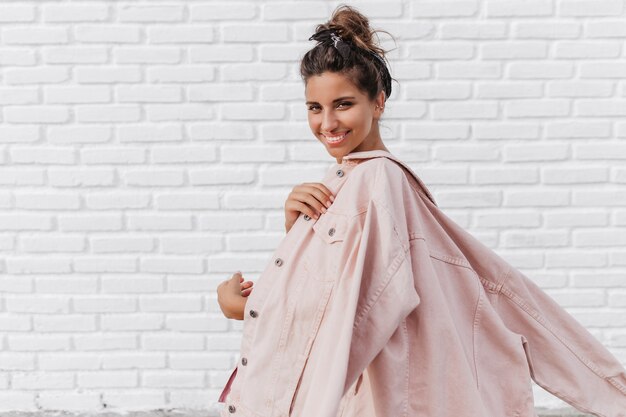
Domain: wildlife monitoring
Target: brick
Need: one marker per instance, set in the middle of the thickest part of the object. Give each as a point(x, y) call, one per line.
point(109, 341)
point(182, 154)
point(75, 13)
point(67, 361)
point(69, 401)
point(107, 33)
point(441, 50)
point(172, 341)
point(184, 34)
point(39, 342)
point(492, 30)
point(527, 8)
point(435, 9)
point(470, 110)
point(17, 13)
point(547, 30)
point(81, 177)
point(135, 283)
point(121, 244)
point(65, 323)
point(186, 201)
point(125, 322)
point(21, 176)
point(223, 11)
point(77, 94)
point(144, 13)
point(170, 303)
point(166, 132)
point(34, 35)
point(18, 95)
point(145, 55)
point(182, 73)
point(257, 32)
point(18, 361)
point(47, 243)
point(106, 379)
point(575, 8)
point(123, 200)
point(39, 75)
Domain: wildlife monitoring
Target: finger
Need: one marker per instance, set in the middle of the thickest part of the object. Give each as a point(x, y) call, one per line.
point(321, 192)
point(329, 194)
point(304, 209)
point(297, 206)
point(311, 201)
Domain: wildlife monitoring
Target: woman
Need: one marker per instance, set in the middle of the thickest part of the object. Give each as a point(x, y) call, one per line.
point(375, 303)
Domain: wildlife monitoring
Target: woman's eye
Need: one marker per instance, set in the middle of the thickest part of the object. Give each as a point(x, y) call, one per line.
point(346, 103)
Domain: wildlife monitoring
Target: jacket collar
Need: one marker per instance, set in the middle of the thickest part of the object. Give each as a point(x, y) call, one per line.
point(355, 157)
point(369, 154)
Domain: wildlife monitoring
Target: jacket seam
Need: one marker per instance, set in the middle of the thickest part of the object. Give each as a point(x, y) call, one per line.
point(532, 313)
point(477, 317)
point(407, 344)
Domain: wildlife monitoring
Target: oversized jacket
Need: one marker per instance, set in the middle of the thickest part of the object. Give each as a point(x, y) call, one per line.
point(385, 307)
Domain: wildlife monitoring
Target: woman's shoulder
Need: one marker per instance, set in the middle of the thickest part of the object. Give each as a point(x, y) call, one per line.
point(380, 171)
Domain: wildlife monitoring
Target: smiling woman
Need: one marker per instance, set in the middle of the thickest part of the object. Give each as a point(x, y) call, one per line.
point(346, 84)
point(382, 305)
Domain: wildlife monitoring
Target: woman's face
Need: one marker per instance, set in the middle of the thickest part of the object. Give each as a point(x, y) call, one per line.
point(342, 117)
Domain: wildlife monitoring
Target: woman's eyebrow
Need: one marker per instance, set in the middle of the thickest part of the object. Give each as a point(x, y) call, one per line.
point(334, 101)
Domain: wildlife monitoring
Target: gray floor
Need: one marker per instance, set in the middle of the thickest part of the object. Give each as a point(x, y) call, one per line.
point(213, 413)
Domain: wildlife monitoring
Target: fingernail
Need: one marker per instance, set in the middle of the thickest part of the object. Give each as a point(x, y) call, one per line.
point(332, 198)
point(323, 209)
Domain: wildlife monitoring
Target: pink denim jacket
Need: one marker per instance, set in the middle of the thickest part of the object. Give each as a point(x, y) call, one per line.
point(385, 307)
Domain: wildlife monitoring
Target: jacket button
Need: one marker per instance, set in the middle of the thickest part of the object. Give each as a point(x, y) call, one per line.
point(331, 231)
point(244, 361)
point(231, 408)
point(307, 217)
point(278, 262)
point(253, 313)
point(340, 173)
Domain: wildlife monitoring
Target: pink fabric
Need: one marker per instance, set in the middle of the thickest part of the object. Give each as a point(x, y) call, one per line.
point(226, 389)
point(385, 307)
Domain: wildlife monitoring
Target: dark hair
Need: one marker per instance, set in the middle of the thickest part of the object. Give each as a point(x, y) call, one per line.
point(363, 69)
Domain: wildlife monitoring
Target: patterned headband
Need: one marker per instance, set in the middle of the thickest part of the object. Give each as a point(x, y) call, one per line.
point(326, 36)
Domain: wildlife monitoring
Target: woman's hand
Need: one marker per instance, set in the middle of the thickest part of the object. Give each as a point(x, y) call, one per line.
point(309, 198)
point(231, 296)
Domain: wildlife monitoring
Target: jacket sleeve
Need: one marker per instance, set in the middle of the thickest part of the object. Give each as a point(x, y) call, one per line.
point(564, 357)
point(370, 300)
point(387, 290)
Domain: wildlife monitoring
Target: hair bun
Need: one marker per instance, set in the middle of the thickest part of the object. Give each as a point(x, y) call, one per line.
point(354, 27)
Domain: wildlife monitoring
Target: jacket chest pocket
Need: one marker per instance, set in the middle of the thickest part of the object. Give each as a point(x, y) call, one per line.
point(323, 259)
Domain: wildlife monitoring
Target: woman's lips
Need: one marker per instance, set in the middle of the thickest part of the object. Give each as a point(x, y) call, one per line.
point(337, 143)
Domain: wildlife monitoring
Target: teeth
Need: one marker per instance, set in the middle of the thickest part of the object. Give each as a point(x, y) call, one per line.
point(336, 138)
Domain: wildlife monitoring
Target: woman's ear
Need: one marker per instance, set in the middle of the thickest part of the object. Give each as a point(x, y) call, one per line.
point(380, 103)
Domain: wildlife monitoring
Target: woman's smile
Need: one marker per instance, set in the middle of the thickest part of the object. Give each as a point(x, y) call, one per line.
point(336, 140)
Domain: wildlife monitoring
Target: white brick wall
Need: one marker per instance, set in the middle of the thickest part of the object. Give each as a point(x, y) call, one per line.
point(147, 148)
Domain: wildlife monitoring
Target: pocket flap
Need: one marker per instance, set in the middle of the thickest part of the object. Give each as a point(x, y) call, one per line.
point(331, 227)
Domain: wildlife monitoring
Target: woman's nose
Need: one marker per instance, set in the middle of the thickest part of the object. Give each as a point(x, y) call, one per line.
point(329, 122)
